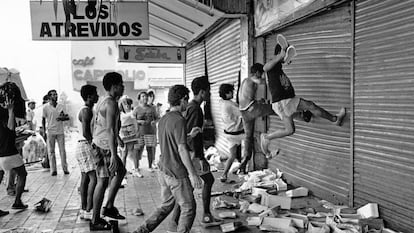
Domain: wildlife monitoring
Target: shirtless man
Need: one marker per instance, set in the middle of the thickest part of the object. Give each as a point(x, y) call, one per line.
point(110, 170)
point(251, 109)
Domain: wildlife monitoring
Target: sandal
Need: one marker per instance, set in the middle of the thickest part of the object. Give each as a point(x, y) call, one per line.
point(3, 213)
point(209, 219)
point(19, 206)
point(100, 225)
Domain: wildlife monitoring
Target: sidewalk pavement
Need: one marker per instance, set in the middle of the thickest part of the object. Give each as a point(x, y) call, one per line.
point(62, 190)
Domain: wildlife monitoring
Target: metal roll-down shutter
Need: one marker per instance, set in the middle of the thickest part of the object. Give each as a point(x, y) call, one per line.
point(317, 156)
point(223, 65)
point(384, 109)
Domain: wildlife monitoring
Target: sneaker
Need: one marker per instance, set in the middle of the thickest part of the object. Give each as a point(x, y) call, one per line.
point(290, 54)
point(3, 213)
point(54, 174)
point(99, 225)
point(223, 179)
point(273, 154)
point(264, 144)
point(340, 117)
point(281, 40)
point(82, 214)
point(137, 173)
point(66, 172)
point(87, 215)
point(138, 212)
point(307, 115)
point(112, 213)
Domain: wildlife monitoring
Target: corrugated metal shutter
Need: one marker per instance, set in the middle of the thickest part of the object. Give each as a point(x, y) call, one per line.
point(195, 65)
point(384, 109)
point(223, 65)
point(317, 156)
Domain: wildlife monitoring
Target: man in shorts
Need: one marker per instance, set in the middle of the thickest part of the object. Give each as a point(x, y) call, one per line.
point(177, 176)
point(84, 151)
point(110, 169)
point(284, 101)
point(233, 125)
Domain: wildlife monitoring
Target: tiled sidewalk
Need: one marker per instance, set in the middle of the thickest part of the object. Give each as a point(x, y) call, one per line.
point(62, 190)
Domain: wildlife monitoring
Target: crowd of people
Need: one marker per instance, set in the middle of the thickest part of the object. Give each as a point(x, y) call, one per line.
point(113, 122)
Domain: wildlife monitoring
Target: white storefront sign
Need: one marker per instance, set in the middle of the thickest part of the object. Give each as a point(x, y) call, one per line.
point(92, 20)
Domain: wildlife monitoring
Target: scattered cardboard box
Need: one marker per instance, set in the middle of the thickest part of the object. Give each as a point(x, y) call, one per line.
point(298, 192)
point(369, 210)
point(231, 226)
point(257, 208)
point(371, 225)
point(227, 214)
point(254, 221)
point(281, 185)
point(273, 200)
point(278, 223)
point(318, 228)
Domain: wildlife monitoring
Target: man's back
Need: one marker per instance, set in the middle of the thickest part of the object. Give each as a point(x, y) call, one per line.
point(172, 132)
point(247, 93)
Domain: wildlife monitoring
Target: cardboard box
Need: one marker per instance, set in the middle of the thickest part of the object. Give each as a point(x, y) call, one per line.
point(298, 192)
point(369, 210)
point(274, 200)
point(254, 221)
point(318, 228)
point(367, 225)
point(278, 223)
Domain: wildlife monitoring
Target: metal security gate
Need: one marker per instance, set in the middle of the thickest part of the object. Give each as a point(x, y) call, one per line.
point(195, 65)
point(384, 109)
point(317, 155)
point(223, 65)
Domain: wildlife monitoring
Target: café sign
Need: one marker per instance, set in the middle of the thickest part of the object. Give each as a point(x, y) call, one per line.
point(151, 54)
point(91, 20)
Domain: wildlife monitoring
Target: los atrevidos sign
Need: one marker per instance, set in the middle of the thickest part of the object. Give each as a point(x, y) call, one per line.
point(91, 20)
point(151, 54)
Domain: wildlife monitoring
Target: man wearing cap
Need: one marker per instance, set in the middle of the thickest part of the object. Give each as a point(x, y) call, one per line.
point(195, 119)
point(30, 115)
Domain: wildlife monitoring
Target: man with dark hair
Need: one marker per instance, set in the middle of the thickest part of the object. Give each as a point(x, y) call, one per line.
point(54, 114)
point(84, 151)
point(42, 132)
point(233, 125)
point(284, 101)
point(195, 119)
point(177, 176)
point(104, 140)
point(251, 109)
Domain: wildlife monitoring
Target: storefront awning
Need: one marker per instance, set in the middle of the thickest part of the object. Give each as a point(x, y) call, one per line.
point(177, 22)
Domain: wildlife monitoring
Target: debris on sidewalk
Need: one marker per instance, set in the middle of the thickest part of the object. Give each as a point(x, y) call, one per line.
point(267, 200)
point(227, 214)
point(231, 226)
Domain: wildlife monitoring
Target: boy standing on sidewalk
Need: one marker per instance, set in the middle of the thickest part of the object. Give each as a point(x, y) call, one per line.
point(84, 151)
point(110, 169)
point(284, 101)
point(177, 175)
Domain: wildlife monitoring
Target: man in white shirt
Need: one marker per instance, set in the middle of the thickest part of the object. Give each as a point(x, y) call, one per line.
point(54, 114)
point(30, 115)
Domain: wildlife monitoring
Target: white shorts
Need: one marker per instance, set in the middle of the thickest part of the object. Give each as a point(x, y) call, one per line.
point(235, 139)
point(9, 162)
point(286, 107)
